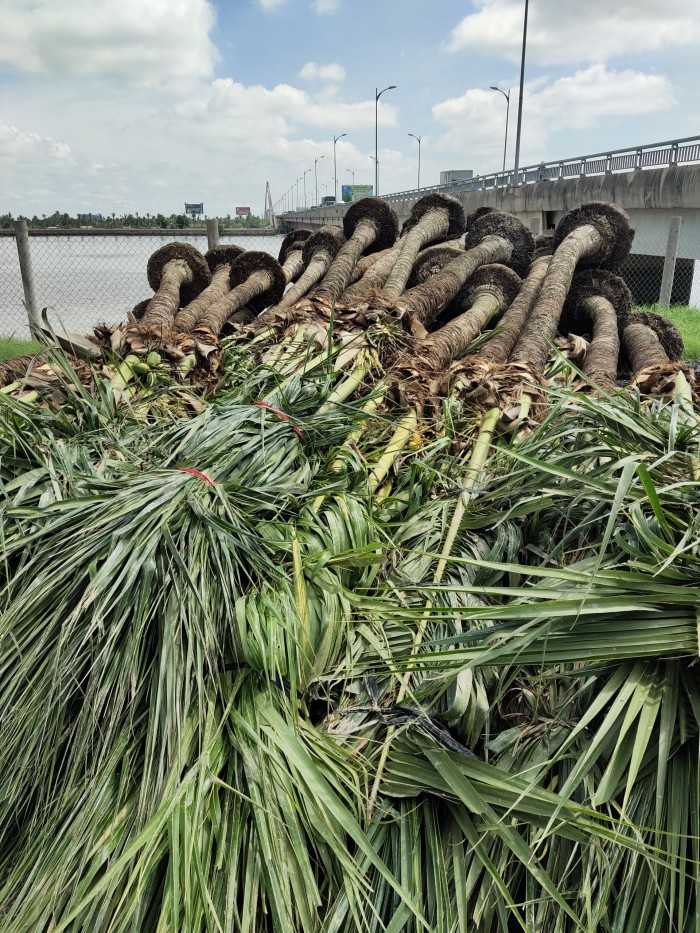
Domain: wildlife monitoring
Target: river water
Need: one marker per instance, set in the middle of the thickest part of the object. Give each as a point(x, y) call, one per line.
point(84, 280)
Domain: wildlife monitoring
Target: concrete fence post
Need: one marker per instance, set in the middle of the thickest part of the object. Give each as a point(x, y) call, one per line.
point(674, 235)
point(25, 268)
point(212, 232)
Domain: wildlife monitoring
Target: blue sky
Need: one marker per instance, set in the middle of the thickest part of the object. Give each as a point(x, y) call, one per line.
point(116, 105)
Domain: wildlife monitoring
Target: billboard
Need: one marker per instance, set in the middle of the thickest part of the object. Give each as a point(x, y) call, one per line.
point(194, 209)
point(242, 212)
point(355, 192)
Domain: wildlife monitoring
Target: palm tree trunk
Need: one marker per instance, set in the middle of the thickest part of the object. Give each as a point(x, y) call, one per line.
point(424, 302)
point(534, 343)
point(313, 274)
point(160, 313)
point(449, 342)
point(432, 226)
point(212, 321)
point(500, 346)
point(340, 272)
point(643, 347)
point(373, 278)
point(600, 364)
point(188, 317)
point(293, 265)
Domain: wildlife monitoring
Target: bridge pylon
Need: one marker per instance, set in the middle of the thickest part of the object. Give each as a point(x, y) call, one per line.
point(269, 209)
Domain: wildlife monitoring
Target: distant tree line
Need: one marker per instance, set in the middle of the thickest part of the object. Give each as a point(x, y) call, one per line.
point(110, 221)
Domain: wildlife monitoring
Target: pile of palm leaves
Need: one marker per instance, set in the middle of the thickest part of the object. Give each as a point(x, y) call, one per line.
point(352, 641)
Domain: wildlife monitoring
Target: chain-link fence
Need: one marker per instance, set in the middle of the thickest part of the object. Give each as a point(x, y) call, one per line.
point(84, 280)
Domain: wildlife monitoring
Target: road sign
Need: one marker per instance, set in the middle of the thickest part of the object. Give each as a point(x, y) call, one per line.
point(242, 212)
point(194, 209)
point(355, 192)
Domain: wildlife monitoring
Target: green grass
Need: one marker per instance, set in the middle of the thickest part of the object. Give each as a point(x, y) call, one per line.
point(9, 347)
point(687, 320)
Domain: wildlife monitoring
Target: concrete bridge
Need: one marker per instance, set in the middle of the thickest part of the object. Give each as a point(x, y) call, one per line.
point(652, 196)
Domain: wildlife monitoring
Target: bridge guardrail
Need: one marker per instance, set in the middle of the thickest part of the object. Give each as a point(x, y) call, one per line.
point(652, 155)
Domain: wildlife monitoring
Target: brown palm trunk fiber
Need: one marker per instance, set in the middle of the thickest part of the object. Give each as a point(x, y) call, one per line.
point(160, 312)
point(533, 346)
point(424, 302)
point(500, 346)
point(338, 276)
point(188, 317)
point(432, 226)
point(643, 347)
point(213, 320)
point(293, 265)
point(600, 364)
point(450, 341)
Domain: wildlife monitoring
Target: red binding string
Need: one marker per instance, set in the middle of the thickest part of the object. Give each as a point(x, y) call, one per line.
point(199, 474)
point(282, 415)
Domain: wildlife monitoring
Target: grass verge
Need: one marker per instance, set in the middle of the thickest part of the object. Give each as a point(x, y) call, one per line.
point(687, 320)
point(11, 347)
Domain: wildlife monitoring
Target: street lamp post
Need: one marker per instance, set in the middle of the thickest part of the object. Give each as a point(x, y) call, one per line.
point(377, 95)
point(316, 161)
point(307, 171)
point(520, 98)
point(335, 166)
point(418, 139)
point(351, 171)
point(506, 94)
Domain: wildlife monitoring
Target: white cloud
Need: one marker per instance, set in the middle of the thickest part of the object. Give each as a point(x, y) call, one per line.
point(228, 107)
point(323, 7)
point(564, 32)
point(17, 144)
point(331, 72)
point(271, 4)
point(143, 42)
point(473, 122)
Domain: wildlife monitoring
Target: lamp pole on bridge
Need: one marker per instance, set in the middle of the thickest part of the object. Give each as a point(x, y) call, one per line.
point(316, 161)
point(419, 140)
point(506, 94)
point(335, 166)
point(520, 98)
point(306, 172)
point(377, 95)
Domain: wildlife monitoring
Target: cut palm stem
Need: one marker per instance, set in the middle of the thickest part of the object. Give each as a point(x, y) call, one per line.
point(493, 238)
point(597, 234)
point(433, 217)
point(473, 472)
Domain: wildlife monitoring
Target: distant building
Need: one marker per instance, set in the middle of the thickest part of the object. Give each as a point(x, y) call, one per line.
point(90, 218)
point(455, 175)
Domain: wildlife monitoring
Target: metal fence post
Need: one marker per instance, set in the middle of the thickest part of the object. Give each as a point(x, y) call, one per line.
point(25, 268)
point(674, 235)
point(212, 232)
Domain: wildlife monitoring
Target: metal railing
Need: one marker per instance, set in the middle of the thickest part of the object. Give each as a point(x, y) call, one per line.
point(632, 158)
point(652, 155)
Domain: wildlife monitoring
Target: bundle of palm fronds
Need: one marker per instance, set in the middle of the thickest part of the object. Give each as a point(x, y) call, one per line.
point(394, 628)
